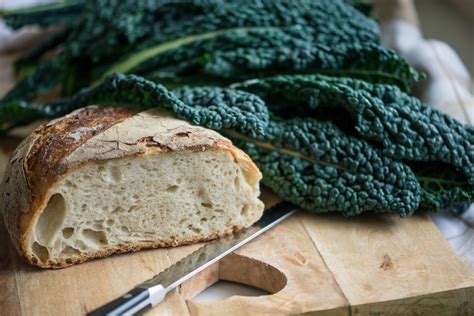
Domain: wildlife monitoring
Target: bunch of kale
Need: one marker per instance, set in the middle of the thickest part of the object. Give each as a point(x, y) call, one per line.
point(304, 87)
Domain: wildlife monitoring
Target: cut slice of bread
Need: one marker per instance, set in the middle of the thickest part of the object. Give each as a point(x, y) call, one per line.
point(108, 180)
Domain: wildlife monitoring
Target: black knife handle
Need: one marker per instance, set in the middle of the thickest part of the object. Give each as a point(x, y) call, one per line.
point(125, 304)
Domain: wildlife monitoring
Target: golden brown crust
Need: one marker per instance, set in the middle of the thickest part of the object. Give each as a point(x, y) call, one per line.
point(53, 141)
point(86, 136)
point(36, 163)
point(16, 197)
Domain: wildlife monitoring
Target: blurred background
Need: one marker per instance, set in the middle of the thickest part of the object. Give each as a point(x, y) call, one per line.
point(450, 21)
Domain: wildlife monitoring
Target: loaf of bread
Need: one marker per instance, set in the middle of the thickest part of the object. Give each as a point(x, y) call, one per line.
point(111, 180)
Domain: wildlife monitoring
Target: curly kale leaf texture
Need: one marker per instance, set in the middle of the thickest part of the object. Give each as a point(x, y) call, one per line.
point(65, 12)
point(285, 54)
point(214, 108)
point(216, 41)
point(316, 166)
point(402, 127)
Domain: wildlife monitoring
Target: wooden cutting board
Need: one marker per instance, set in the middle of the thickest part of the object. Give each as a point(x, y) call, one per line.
point(313, 264)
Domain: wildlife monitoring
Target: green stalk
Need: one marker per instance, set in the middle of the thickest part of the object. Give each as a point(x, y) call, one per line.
point(130, 62)
point(40, 7)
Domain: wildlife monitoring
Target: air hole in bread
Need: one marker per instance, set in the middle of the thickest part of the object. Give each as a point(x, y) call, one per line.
point(245, 210)
point(94, 238)
point(132, 208)
point(68, 251)
point(115, 175)
point(40, 251)
point(205, 199)
point(51, 219)
point(67, 232)
point(118, 210)
point(202, 194)
point(81, 245)
point(172, 188)
point(237, 182)
point(97, 226)
point(70, 184)
point(194, 229)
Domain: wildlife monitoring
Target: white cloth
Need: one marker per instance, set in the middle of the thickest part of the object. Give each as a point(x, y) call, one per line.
point(23, 38)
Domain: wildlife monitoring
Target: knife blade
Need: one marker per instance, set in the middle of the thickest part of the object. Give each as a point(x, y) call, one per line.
point(149, 293)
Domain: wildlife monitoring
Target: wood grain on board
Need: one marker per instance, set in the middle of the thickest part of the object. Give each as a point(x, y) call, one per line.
point(313, 265)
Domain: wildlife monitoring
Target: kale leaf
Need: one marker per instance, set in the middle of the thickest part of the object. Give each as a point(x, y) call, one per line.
point(213, 108)
point(213, 41)
point(65, 12)
point(401, 126)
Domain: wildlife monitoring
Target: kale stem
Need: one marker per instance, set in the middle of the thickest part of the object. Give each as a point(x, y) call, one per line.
point(233, 134)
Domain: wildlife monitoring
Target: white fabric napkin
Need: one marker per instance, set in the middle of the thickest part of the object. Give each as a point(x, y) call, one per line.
point(22, 39)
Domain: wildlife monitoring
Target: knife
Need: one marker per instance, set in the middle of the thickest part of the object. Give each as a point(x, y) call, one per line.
point(148, 294)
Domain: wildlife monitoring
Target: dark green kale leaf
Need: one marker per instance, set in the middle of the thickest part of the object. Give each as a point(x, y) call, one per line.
point(326, 21)
point(65, 12)
point(316, 166)
point(213, 108)
point(27, 63)
point(37, 79)
point(259, 52)
point(401, 126)
point(442, 187)
point(119, 36)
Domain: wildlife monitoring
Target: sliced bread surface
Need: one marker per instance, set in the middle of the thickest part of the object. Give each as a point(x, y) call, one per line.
point(108, 180)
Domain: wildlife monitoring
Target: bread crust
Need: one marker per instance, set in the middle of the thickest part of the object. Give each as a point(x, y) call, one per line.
point(87, 136)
